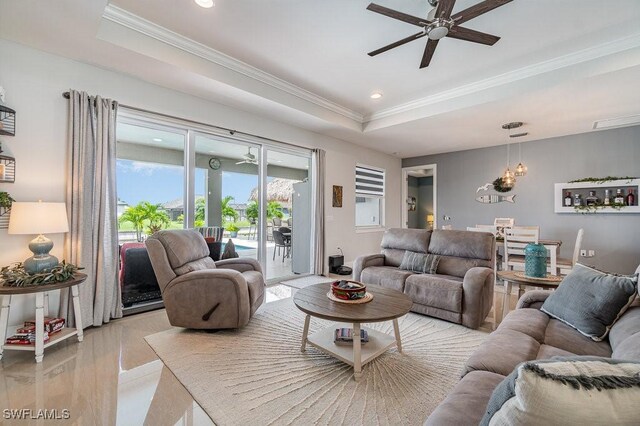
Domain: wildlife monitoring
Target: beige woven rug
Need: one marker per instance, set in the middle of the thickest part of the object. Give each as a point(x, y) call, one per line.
point(258, 376)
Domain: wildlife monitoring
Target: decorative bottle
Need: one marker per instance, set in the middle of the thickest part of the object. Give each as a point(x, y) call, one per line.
point(592, 200)
point(619, 200)
point(631, 199)
point(577, 200)
point(607, 197)
point(567, 200)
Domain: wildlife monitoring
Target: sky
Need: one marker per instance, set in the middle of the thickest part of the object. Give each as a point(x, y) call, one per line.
point(158, 183)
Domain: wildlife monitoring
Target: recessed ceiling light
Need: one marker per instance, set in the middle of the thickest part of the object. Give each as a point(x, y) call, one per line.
point(205, 3)
point(376, 95)
point(157, 140)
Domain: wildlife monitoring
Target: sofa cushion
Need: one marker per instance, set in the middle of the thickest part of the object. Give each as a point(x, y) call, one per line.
point(438, 291)
point(467, 402)
point(466, 244)
point(458, 266)
point(182, 246)
point(591, 301)
point(393, 257)
point(385, 276)
point(419, 262)
point(627, 326)
point(503, 351)
point(567, 391)
point(406, 239)
point(629, 349)
point(531, 322)
point(564, 337)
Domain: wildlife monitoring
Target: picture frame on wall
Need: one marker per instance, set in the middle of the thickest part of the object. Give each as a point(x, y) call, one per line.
point(411, 204)
point(337, 196)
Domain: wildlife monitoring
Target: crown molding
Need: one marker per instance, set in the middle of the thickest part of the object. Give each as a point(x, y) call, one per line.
point(581, 56)
point(129, 20)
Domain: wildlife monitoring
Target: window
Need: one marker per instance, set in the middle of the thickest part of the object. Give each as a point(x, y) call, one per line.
point(369, 196)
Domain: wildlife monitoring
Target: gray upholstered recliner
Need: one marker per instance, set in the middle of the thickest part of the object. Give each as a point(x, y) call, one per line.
point(198, 292)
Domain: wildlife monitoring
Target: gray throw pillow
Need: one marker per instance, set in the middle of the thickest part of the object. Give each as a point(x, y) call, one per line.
point(567, 391)
point(230, 250)
point(591, 301)
point(420, 262)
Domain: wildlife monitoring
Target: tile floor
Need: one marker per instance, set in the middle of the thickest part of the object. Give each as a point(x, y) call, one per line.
point(113, 377)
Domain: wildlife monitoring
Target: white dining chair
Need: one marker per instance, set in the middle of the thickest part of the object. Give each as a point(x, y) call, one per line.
point(504, 222)
point(566, 265)
point(515, 240)
point(479, 228)
point(447, 227)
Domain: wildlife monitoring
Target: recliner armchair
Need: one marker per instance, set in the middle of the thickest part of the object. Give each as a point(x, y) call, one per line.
point(198, 292)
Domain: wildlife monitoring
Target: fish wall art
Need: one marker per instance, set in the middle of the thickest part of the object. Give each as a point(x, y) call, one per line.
point(494, 198)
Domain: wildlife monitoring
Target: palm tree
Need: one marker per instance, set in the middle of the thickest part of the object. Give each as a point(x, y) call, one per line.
point(135, 215)
point(201, 204)
point(227, 210)
point(274, 209)
point(158, 219)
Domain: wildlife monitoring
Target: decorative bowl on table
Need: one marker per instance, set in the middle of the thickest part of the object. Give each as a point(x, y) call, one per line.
point(348, 290)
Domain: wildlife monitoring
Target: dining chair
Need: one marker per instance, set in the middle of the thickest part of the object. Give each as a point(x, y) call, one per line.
point(447, 227)
point(566, 265)
point(504, 222)
point(515, 240)
point(489, 228)
point(281, 243)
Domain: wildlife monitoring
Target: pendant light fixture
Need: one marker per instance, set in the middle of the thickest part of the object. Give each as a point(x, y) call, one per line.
point(508, 179)
point(521, 169)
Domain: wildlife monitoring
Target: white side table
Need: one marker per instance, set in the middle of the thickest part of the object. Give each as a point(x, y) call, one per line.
point(42, 310)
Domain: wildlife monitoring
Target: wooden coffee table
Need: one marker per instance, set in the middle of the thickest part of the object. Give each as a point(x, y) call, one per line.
point(387, 305)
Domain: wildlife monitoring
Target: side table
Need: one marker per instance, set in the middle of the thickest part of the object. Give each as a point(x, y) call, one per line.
point(515, 277)
point(42, 310)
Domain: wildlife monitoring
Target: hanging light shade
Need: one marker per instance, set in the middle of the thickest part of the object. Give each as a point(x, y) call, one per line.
point(521, 170)
point(508, 179)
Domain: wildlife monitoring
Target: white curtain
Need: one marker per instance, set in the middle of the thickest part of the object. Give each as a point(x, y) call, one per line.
point(92, 241)
point(318, 171)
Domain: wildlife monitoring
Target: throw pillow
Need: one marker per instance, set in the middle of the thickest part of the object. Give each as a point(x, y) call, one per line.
point(230, 250)
point(567, 391)
point(420, 262)
point(591, 301)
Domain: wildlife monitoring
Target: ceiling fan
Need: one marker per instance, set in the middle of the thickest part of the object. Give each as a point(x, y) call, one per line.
point(248, 158)
point(439, 24)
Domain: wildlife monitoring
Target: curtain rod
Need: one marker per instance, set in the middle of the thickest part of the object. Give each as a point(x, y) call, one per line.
point(232, 132)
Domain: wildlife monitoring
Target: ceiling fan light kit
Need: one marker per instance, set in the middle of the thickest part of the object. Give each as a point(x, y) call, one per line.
point(440, 24)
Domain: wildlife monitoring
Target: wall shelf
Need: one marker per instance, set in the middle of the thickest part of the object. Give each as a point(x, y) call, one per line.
point(7, 121)
point(583, 189)
point(7, 169)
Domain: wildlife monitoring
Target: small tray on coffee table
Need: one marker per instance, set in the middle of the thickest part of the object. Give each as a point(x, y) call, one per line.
point(368, 297)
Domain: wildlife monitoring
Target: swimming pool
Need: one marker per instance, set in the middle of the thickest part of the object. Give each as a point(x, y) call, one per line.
point(239, 247)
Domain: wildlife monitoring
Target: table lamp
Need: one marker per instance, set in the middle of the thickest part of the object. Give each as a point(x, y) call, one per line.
point(39, 218)
point(430, 220)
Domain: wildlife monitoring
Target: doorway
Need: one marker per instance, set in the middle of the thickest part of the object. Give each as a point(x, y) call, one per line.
point(419, 192)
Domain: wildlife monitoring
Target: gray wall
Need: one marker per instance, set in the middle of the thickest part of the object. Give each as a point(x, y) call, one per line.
point(616, 152)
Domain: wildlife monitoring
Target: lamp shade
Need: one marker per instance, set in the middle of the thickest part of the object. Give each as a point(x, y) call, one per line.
point(38, 218)
point(429, 218)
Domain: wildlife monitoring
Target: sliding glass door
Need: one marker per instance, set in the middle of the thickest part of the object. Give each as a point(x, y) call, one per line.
point(256, 193)
point(226, 188)
point(288, 213)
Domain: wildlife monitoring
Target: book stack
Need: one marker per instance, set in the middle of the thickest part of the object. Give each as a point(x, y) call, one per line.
point(344, 336)
point(26, 335)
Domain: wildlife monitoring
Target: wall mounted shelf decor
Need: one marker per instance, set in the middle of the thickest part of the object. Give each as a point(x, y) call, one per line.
point(7, 169)
point(7, 121)
point(592, 193)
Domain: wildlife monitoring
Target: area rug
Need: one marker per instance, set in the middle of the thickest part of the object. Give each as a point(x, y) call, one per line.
point(258, 376)
point(306, 281)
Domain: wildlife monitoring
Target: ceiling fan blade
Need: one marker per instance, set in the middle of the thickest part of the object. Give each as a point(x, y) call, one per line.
point(429, 50)
point(477, 10)
point(398, 43)
point(466, 34)
point(420, 22)
point(444, 9)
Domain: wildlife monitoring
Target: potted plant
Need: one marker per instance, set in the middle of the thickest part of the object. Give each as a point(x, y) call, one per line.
point(5, 200)
point(232, 228)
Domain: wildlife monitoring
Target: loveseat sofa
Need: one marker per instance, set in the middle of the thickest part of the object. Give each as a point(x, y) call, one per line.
point(528, 334)
point(461, 290)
